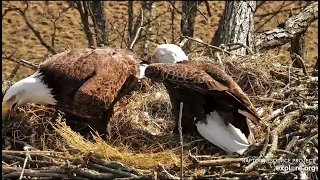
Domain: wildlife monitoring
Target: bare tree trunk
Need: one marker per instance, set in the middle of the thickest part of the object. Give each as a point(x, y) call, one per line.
point(148, 8)
point(172, 21)
point(98, 17)
point(237, 26)
point(130, 20)
point(298, 47)
point(189, 10)
point(82, 7)
point(216, 40)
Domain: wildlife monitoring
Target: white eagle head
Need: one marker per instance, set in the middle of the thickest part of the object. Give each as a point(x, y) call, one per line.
point(27, 90)
point(168, 53)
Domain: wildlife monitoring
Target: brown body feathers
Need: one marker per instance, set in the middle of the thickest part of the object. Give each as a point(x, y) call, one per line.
point(203, 87)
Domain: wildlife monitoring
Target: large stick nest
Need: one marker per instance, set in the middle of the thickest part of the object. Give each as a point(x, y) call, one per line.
point(142, 144)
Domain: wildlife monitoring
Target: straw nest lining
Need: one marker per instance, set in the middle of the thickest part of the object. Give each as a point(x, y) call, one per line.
point(142, 140)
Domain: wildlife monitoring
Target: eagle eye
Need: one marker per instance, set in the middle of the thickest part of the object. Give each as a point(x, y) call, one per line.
point(12, 98)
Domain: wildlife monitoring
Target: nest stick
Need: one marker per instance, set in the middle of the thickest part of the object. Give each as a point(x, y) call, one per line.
point(301, 61)
point(217, 162)
point(181, 140)
point(12, 152)
point(24, 165)
point(286, 122)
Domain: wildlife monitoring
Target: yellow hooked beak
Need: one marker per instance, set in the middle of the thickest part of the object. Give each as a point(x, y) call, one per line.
point(5, 109)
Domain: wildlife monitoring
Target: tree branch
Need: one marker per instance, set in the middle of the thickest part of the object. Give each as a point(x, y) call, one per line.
point(293, 26)
point(21, 61)
point(30, 25)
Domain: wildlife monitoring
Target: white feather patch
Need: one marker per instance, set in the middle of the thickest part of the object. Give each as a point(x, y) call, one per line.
point(169, 53)
point(31, 90)
point(228, 138)
point(142, 69)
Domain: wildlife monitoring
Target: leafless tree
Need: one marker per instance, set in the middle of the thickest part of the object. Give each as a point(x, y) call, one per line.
point(237, 26)
point(130, 20)
point(98, 16)
point(288, 30)
point(82, 7)
point(148, 11)
point(189, 10)
point(36, 32)
point(54, 18)
point(94, 10)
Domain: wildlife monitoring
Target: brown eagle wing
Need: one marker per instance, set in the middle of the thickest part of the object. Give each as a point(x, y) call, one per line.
point(182, 75)
point(233, 88)
point(99, 73)
point(194, 77)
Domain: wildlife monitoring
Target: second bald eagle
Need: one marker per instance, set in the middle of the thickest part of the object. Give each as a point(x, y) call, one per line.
point(213, 103)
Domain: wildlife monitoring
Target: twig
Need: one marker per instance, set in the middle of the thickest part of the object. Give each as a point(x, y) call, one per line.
point(281, 76)
point(33, 29)
point(301, 62)
point(11, 152)
point(110, 170)
point(113, 165)
point(208, 8)
point(234, 175)
point(173, 7)
point(167, 174)
point(193, 158)
point(24, 164)
point(14, 71)
point(271, 100)
point(35, 163)
point(217, 162)
point(208, 45)
point(273, 15)
point(239, 45)
point(85, 160)
point(201, 13)
point(22, 61)
point(138, 31)
point(287, 121)
point(274, 114)
point(56, 172)
point(181, 140)
point(285, 152)
point(264, 149)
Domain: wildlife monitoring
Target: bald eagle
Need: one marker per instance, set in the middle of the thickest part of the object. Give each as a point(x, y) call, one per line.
point(213, 103)
point(84, 82)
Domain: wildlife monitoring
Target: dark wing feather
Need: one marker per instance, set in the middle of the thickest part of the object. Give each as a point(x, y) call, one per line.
point(194, 77)
point(234, 89)
point(220, 76)
point(183, 75)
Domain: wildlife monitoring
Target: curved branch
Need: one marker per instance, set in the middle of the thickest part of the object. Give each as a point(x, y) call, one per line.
point(30, 25)
point(293, 26)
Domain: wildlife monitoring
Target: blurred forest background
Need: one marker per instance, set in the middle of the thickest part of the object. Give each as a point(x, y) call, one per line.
point(59, 26)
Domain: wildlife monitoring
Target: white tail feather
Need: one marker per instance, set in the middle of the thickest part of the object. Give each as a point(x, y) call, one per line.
point(228, 138)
